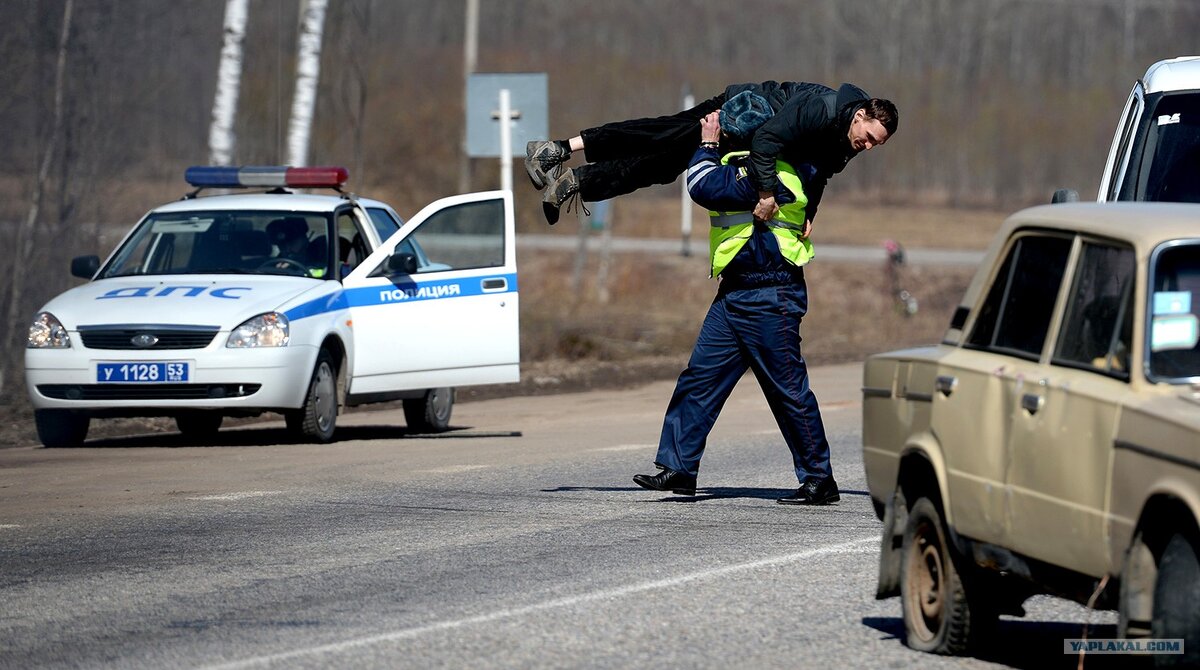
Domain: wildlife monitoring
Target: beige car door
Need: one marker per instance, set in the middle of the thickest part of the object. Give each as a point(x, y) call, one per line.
point(970, 416)
point(975, 401)
point(1061, 440)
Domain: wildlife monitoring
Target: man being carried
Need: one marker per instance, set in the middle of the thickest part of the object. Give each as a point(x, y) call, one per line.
point(807, 123)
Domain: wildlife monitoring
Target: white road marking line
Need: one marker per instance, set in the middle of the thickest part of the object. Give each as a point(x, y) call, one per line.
point(854, 546)
point(4, 526)
point(237, 495)
point(451, 469)
point(626, 447)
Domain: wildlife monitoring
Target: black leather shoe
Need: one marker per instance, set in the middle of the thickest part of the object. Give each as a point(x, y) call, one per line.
point(668, 480)
point(813, 492)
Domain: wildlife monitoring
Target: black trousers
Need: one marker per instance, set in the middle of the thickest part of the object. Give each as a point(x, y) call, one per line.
point(627, 155)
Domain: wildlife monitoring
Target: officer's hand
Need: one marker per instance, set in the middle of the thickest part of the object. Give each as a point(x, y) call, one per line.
point(807, 229)
point(766, 208)
point(710, 127)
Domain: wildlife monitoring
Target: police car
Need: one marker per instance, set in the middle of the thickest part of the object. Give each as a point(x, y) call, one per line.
point(278, 301)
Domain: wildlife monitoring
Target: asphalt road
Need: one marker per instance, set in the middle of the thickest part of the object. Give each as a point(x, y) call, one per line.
point(516, 540)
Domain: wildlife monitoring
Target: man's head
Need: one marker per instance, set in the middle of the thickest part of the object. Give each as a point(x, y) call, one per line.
point(873, 124)
point(290, 234)
point(742, 114)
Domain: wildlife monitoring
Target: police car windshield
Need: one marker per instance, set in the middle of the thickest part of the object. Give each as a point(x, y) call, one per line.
point(223, 242)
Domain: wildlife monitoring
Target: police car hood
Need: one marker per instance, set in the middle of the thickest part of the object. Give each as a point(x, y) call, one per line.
point(202, 300)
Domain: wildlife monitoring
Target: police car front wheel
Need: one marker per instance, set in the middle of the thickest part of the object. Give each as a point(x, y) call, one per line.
point(61, 427)
point(199, 424)
point(317, 418)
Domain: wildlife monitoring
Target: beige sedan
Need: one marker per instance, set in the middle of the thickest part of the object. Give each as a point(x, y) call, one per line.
point(1051, 442)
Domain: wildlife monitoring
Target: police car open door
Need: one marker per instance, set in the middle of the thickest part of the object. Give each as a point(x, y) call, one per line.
point(436, 304)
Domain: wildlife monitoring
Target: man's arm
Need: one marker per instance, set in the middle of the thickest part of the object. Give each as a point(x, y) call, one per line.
point(721, 188)
point(803, 116)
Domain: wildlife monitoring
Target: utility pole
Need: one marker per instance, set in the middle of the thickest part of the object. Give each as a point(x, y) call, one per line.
point(470, 55)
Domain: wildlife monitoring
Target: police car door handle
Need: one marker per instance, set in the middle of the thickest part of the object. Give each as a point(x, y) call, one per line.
point(1031, 402)
point(495, 284)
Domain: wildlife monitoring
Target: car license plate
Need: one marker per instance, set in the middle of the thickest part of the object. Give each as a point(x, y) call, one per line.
point(148, 372)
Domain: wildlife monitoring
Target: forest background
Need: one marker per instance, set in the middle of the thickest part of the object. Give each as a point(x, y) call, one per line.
point(1001, 102)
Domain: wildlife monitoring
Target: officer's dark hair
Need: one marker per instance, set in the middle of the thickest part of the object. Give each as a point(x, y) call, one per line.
point(884, 112)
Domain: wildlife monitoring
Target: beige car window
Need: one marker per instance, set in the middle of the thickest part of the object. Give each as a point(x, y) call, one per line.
point(1174, 326)
point(1098, 323)
point(1015, 316)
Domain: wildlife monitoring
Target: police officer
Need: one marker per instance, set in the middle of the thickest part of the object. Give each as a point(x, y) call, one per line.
point(753, 323)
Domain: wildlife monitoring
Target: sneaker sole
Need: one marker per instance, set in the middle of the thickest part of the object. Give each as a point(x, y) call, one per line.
point(551, 213)
point(531, 169)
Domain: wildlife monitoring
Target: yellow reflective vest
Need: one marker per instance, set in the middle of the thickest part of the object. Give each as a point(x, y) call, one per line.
point(728, 231)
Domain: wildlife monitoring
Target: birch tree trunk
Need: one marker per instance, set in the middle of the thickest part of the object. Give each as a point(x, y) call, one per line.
point(308, 71)
point(221, 135)
point(25, 234)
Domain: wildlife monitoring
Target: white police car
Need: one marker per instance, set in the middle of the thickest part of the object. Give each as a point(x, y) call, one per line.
point(233, 305)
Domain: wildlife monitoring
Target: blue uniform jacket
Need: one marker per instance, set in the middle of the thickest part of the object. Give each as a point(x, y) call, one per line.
point(728, 188)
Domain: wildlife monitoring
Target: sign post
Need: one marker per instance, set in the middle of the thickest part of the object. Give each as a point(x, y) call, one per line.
point(504, 111)
point(505, 115)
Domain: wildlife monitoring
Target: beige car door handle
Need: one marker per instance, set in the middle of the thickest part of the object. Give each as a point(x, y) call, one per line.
point(1032, 403)
point(945, 384)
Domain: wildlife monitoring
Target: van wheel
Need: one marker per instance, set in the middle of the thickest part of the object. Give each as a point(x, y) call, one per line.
point(939, 616)
point(317, 419)
point(1177, 602)
point(61, 427)
point(199, 424)
point(431, 412)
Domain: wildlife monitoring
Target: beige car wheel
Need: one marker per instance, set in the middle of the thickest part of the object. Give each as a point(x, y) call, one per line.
point(938, 616)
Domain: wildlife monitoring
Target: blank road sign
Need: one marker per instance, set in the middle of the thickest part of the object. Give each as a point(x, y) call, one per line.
point(527, 101)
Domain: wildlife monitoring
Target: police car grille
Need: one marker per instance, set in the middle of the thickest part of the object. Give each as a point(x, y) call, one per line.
point(147, 391)
point(122, 338)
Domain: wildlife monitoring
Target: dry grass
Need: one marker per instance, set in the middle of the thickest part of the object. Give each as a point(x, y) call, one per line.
point(838, 222)
point(657, 304)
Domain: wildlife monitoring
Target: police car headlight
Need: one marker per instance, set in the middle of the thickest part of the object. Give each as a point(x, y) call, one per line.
point(46, 332)
point(265, 330)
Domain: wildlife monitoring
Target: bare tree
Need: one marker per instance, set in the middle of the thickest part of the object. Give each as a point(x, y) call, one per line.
point(25, 234)
point(308, 71)
point(221, 137)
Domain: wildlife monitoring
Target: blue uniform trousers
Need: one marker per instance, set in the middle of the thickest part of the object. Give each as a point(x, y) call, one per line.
point(759, 329)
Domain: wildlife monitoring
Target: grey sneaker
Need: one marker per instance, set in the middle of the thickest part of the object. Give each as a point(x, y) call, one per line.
point(564, 189)
point(542, 157)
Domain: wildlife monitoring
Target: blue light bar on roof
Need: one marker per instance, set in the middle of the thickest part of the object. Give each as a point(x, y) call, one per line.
point(249, 176)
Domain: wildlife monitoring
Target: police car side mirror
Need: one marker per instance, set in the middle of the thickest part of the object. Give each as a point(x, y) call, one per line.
point(85, 266)
point(402, 262)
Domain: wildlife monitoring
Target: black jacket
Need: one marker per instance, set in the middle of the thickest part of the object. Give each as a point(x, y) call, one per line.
point(810, 125)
